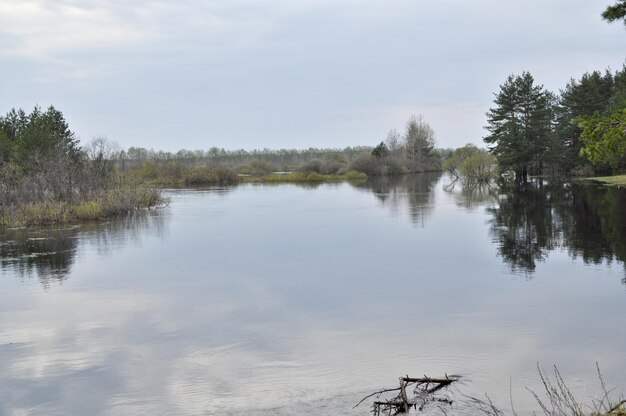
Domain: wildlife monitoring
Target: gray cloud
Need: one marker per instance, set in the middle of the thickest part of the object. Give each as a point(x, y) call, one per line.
point(253, 74)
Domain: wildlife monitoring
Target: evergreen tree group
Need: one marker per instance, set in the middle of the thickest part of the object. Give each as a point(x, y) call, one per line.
point(533, 131)
point(520, 126)
point(26, 140)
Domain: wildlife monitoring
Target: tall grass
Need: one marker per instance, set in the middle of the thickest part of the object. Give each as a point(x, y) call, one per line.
point(559, 400)
point(105, 203)
point(173, 174)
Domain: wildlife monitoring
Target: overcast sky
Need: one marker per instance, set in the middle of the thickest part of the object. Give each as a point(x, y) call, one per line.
point(296, 74)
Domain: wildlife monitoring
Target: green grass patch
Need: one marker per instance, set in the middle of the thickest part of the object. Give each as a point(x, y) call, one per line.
point(89, 210)
point(615, 180)
point(172, 174)
point(306, 177)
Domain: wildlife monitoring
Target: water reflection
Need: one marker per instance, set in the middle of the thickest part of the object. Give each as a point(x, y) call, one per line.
point(48, 253)
point(413, 192)
point(530, 222)
point(472, 197)
point(118, 232)
point(45, 253)
point(284, 300)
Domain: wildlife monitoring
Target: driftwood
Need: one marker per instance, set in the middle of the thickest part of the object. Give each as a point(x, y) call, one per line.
point(402, 403)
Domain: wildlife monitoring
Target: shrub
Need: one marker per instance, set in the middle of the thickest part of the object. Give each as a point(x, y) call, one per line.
point(353, 175)
point(149, 170)
point(261, 167)
point(453, 163)
point(244, 169)
point(335, 157)
point(314, 177)
point(88, 210)
point(211, 175)
point(256, 168)
point(367, 164)
point(331, 167)
point(393, 166)
point(481, 167)
point(314, 165)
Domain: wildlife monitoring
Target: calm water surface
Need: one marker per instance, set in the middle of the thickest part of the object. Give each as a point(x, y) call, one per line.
point(263, 300)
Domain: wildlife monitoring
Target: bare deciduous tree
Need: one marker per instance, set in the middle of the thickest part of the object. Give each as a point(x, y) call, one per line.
point(394, 142)
point(420, 143)
point(102, 154)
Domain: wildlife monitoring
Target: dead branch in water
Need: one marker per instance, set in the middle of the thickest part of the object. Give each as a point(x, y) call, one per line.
point(422, 394)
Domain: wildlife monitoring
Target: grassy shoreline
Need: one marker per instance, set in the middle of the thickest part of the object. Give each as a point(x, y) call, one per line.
point(304, 177)
point(217, 178)
point(615, 180)
point(105, 204)
point(123, 200)
point(120, 201)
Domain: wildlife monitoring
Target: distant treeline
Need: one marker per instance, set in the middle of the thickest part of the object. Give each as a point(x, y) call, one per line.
point(413, 151)
point(281, 159)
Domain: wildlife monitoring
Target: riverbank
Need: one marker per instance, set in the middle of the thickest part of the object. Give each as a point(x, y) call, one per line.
point(305, 177)
point(177, 176)
point(105, 204)
point(615, 180)
point(125, 199)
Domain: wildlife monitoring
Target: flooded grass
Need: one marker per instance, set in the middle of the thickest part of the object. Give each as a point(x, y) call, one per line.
point(557, 399)
point(615, 180)
point(306, 177)
point(102, 205)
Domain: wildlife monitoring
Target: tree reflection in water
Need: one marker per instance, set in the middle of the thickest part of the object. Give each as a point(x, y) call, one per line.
point(526, 224)
point(413, 192)
point(531, 221)
point(48, 253)
point(474, 196)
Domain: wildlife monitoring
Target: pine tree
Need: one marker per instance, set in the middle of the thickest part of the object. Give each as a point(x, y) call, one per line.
point(605, 139)
point(29, 139)
point(618, 97)
point(591, 95)
point(381, 151)
point(521, 126)
point(615, 12)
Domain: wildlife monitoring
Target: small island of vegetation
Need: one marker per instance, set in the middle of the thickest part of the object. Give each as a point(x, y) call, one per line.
point(46, 177)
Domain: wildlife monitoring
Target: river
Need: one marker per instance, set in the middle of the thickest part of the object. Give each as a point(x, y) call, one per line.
point(284, 299)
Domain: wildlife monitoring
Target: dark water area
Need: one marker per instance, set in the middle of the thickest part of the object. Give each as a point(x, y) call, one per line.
point(284, 300)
